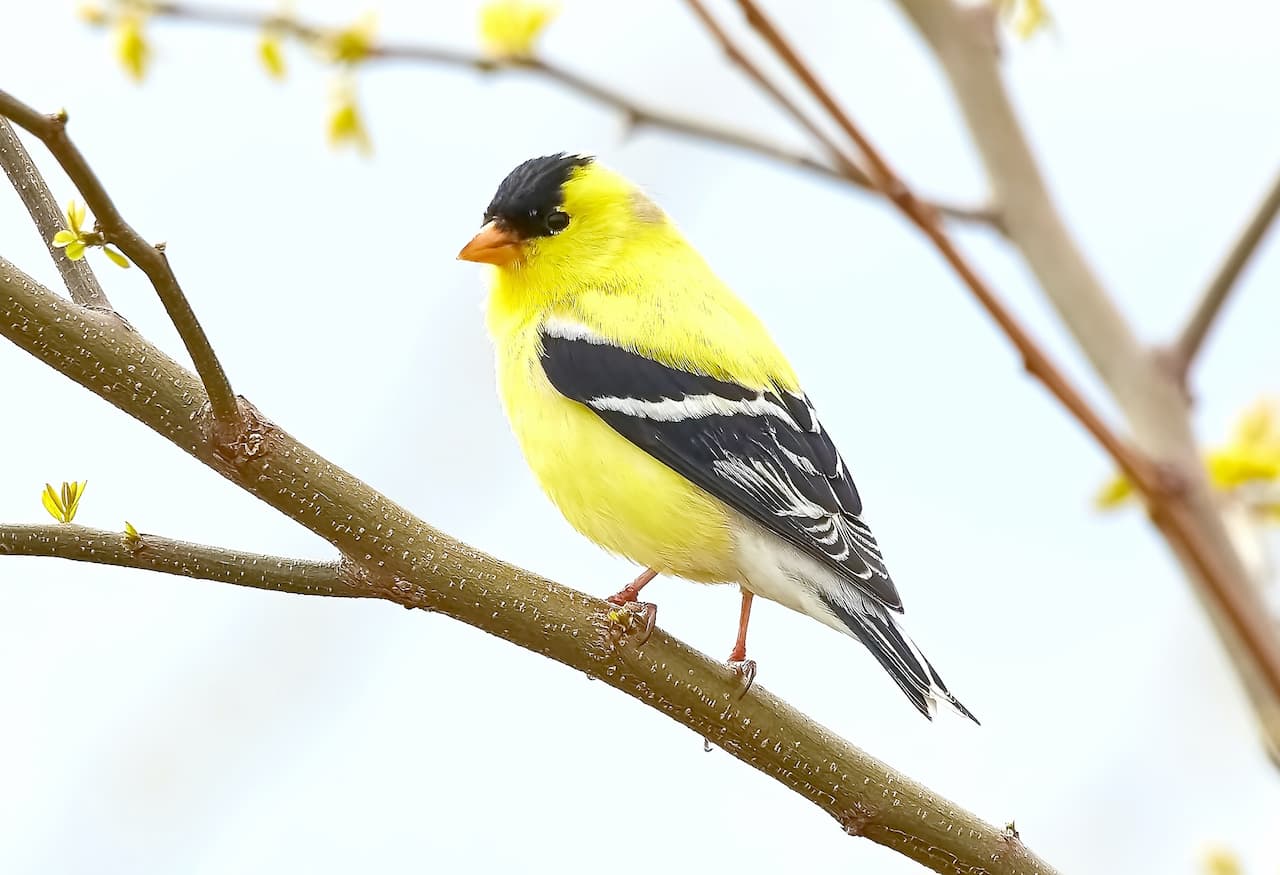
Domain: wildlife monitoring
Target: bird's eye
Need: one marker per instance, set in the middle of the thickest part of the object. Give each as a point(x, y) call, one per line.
point(557, 221)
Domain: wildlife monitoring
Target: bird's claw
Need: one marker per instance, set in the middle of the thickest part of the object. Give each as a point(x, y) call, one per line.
point(644, 613)
point(746, 670)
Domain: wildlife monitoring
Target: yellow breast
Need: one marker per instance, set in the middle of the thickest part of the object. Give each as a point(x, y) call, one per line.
point(609, 490)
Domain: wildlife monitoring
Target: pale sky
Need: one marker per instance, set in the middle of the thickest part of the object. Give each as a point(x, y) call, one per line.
point(155, 724)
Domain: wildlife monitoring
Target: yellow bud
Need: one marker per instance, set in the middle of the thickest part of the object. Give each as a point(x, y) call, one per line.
point(511, 28)
point(91, 13)
point(346, 124)
point(352, 44)
point(1025, 17)
point(271, 54)
point(63, 504)
point(132, 49)
point(1220, 861)
point(1116, 492)
point(117, 258)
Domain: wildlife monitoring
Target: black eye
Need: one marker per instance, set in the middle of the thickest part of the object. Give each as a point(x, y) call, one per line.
point(557, 221)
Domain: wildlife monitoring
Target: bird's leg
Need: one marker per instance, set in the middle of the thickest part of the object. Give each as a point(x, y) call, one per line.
point(630, 595)
point(743, 667)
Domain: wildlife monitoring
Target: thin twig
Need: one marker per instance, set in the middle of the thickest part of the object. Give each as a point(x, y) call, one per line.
point(182, 558)
point(636, 114)
point(27, 180)
point(1167, 504)
point(735, 54)
point(1209, 307)
point(412, 564)
point(52, 131)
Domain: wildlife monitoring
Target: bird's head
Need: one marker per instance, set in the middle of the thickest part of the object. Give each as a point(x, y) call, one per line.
point(560, 213)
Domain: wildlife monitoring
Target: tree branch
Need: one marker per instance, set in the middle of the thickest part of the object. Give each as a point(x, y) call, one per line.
point(1207, 310)
point(848, 167)
point(45, 213)
point(1152, 401)
point(52, 131)
point(637, 114)
point(153, 553)
point(415, 565)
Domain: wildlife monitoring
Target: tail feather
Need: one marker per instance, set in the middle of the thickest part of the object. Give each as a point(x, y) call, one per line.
point(880, 633)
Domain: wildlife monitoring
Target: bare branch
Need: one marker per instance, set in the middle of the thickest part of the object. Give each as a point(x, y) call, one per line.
point(1209, 307)
point(735, 54)
point(1154, 403)
point(52, 131)
point(22, 172)
point(412, 564)
point(636, 114)
point(154, 553)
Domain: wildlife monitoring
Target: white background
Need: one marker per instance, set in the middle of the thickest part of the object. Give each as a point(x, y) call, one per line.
point(156, 724)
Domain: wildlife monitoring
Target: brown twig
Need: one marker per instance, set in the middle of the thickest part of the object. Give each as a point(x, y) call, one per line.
point(182, 558)
point(77, 275)
point(1183, 351)
point(1167, 503)
point(848, 167)
point(636, 114)
point(52, 131)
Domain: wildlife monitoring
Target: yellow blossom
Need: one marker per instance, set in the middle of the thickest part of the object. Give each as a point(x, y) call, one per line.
point(131, 536)
point(1247, 466)
point(1024, 17)
point(91, 13)
point(351, 44)
point(510, 28)
point(271, 53)
point(62, 505)
point(132, 49)
point(346, 122)
point(1217, 860)
point(74, 239)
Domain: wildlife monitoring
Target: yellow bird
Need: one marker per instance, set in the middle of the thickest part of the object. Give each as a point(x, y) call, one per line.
point(663, 421)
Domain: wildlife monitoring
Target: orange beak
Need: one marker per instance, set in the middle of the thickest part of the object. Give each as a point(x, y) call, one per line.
point(493, 245)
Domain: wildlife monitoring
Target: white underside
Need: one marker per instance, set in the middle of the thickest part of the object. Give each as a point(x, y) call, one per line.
point(779, 571)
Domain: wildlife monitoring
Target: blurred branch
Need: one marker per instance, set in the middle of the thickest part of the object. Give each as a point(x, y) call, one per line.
point(1207, 310)
point(154, 553)
point(963, 40)
point(47, 216)
point(415, 565)
point(52, 131)
point(636, 114)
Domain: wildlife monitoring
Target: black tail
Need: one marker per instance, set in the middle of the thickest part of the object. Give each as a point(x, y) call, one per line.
point(879, 632)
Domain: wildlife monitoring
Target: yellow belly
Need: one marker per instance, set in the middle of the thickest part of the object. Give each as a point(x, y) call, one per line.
point(609, 490)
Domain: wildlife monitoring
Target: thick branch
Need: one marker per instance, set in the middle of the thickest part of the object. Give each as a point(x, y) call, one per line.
point(154, 553)
point(38, 199)
point(1152, 400)
point(52, 131)
point(1215, 295)
point(636, 114)
point(415, 565)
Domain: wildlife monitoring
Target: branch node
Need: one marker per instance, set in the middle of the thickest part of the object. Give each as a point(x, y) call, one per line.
point(237, 440)
point(854, 821)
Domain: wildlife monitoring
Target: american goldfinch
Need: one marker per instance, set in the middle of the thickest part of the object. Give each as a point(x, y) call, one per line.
point(662, 420)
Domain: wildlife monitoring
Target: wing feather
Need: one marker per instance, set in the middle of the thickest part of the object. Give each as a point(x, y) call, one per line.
point(762, 452)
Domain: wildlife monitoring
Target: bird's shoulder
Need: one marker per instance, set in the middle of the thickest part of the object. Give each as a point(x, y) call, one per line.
point(684, 319)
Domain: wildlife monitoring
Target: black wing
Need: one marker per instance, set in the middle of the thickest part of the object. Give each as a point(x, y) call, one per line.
point(763, 453)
